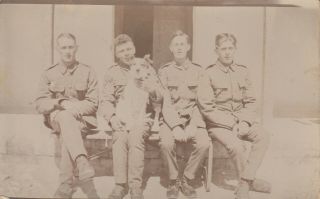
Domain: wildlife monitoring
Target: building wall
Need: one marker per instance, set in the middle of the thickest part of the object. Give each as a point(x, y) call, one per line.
point(291, 86)
point(283, 59)
point(26, 40)
point(93, 25)
point(247, 26)
point(27, 47)
point(292, 62)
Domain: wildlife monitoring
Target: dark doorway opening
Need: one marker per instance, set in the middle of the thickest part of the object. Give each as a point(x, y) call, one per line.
point(151, 28)
point(137, 22)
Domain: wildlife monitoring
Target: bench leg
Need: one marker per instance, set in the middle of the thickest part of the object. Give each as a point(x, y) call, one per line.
point(209, 168)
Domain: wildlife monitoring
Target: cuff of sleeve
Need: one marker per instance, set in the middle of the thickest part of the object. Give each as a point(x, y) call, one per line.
point(173, 124)
point(245, 121)
point(224, 121)
point(55, 104)
point(59, 101)
point(108, 118)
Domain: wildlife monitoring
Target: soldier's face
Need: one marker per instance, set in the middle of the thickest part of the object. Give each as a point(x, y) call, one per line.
point(125, 53)
point(226, 51)
point(67, 49)
point(179, 47)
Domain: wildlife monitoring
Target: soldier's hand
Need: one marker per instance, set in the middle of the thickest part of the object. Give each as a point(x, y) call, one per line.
point(70, 107)
point(242, 129)
point(146, 120)
point(75, 112)
point(190, 132)
point(179, 134)
point(66, 104)
point(116, 123)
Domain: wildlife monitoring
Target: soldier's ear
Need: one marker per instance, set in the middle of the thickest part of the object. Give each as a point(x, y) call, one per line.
point(134, 50)
point(170, 48)
point(188, 47)
point(57, 47)
point(76, 47)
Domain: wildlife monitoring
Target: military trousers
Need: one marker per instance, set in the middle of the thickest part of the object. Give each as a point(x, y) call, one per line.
point(70, 138)
point(168, 145)
point(128, 156)
point(69, 145)
point(246, 166)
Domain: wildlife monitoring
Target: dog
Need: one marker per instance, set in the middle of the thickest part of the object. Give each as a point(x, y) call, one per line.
point(141, 99)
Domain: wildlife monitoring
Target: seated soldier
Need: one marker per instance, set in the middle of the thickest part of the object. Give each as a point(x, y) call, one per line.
point(229, 106)
point(68, 98)
point(183, 123)
point(127, 99)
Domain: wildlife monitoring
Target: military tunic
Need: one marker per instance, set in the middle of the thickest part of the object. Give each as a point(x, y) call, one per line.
point(78, 85)
point(181, 81)
point(226, 96)
point(226, 99)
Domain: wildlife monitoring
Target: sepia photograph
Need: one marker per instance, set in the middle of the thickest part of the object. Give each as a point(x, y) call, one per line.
point(159, 99)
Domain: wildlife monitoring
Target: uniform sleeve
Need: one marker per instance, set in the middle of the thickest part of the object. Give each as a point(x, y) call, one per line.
point(154, 86)
point(170, 115)
point(249, 113)
point(108, 99)
point(206, 101)
point(45, 104)
point(89, 105)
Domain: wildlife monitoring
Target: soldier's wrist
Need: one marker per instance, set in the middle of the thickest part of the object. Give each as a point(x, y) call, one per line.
point(113, 117)
point(246, 122)
point(178, 126)
point(60, 101)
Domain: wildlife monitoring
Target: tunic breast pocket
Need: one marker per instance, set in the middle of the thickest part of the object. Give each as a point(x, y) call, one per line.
point(119, 87)
point(222, 90)
point(193, 86)
point(81, 88)
point(173, 88)
point(57, 89)
point(242, 90)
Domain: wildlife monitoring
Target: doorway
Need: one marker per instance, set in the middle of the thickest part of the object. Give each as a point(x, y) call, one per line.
point(151, 27)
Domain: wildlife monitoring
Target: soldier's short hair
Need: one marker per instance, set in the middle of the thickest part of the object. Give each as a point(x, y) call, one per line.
point(225, 36)
point(180, 33)
point(67, 35)
point(121, 39)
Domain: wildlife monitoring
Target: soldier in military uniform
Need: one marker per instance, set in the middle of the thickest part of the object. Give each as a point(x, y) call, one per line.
point(128, 140)
point(228, 104)
point(182, 122)
point(68, 98)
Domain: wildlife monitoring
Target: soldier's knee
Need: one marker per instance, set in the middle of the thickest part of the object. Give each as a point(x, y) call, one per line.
point(203, 145)
point(167, 144)
point(135, 139)
point(262, 137)
point(236, 148)
point(120, 136)
point(265, 138)
point(64, 116)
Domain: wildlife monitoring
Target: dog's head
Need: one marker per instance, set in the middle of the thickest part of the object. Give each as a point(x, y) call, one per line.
point(142, 73)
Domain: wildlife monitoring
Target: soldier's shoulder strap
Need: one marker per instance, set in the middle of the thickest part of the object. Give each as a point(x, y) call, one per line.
point(210, 66)
point(112, 66)
point(242, 66)
point(196, 64)
point(52, 66)
point(85, 65)
point(165, 65)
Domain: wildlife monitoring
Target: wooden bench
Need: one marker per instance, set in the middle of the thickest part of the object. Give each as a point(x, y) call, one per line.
point(99, 154)
point(101, 158)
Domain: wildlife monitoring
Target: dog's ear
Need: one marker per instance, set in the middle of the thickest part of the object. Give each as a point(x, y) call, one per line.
point(148, 59)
